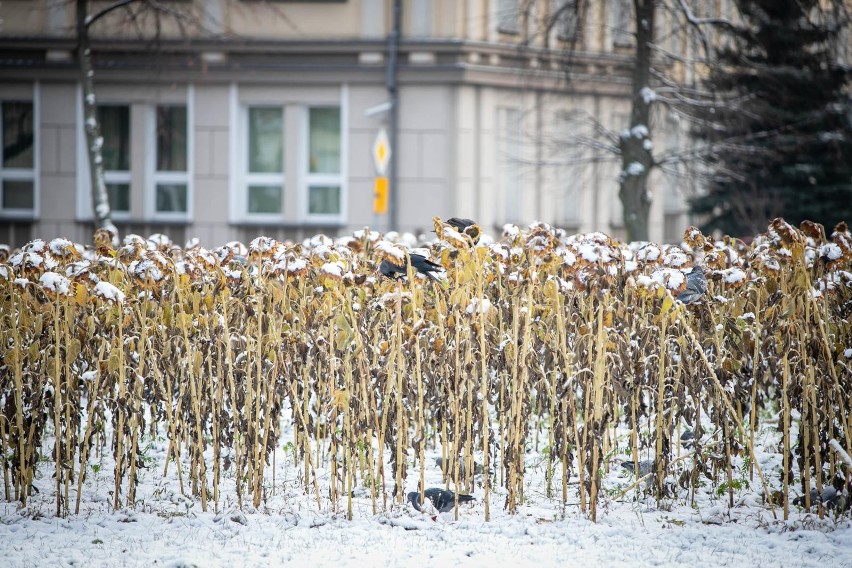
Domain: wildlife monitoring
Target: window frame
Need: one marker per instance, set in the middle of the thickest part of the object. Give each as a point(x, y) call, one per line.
point(296, 179)
point(247, 178)
point(117, 176)
point(309, 180)
point(622, 13)
point(23, 174)
point(561, 25)
point(153, 177)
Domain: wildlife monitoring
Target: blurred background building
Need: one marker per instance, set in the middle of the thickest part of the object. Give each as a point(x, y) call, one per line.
point(230, 119)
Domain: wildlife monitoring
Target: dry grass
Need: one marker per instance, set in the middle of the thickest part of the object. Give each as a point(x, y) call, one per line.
point(540, 338)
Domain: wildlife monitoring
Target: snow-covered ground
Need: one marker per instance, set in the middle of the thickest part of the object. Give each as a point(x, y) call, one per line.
point(289, 529)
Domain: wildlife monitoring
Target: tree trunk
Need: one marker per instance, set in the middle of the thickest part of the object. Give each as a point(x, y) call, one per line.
point(94, 141)
point(635, 143)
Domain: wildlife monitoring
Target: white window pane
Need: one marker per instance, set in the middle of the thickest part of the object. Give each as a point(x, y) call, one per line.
point(18, 195)
point(114, 121)
point(324, 155)
point(324, 200)
point(17, 134)
point(265, 140)
point(264, 198)
point(171, 198)
point(171, 139)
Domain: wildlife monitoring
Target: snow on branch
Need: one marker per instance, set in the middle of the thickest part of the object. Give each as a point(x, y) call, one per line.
point(839, 449)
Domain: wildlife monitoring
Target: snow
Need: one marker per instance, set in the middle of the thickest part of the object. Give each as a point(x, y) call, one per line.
point(290, 529)
point(671, 278)
point(478, 306)
point(334, 269)
point(830, 251)
point(511, 231)
point(568, 258)
point(733, 275)
point(109, 292)
point(55, 282)
point(61, 247)
point(389, 249)
point(366, 234)
point(839, 449)
point(635, 169)
point(639, 131)
point(296, 264)
point(146, 269)
point(648, 95)
point(675, 257)
point(26, 258)
point(588, 252)
point(499, 249)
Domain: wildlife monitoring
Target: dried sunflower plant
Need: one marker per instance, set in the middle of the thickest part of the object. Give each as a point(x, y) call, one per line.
point(537, 343)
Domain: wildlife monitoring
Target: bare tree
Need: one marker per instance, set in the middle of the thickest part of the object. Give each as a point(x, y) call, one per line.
point(634, 147)
point(657, 88)
point(94, 141)
point(136, 12)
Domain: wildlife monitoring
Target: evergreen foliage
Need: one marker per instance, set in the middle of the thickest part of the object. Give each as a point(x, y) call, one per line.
point(781, 127)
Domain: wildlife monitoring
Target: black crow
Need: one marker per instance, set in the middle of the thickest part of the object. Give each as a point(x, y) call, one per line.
point(464, 226)
point(443, 500)
point(687, 438)
point(459, 223)
point(696, 286)
point(420, 263)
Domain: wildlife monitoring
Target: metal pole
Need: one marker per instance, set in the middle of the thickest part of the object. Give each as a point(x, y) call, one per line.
point(393, 126)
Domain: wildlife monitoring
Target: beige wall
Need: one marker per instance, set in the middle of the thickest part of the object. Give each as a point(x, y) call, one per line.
point(449, 150)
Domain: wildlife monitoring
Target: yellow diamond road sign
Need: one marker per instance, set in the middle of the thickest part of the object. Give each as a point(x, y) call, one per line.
point(381, 152)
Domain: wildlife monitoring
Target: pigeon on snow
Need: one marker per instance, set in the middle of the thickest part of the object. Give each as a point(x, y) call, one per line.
point(442, 500)
point(830, 497)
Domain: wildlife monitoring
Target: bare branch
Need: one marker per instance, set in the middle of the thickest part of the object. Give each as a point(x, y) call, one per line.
point(106, 10)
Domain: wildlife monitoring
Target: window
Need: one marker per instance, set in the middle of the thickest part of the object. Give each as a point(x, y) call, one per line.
point(114, 122)
point(508, 160)
point(622, 23)
point(289, 159)
point(508, 17)
point(578, 173)
point(17, 171)
point(567, 19)
point(171, 175)
point(324, 177)
point(265, 160)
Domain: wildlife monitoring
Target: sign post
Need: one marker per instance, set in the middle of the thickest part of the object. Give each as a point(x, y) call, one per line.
point(381, 187)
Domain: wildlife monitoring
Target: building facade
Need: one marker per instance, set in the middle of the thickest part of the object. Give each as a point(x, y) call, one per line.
point(242, 118)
